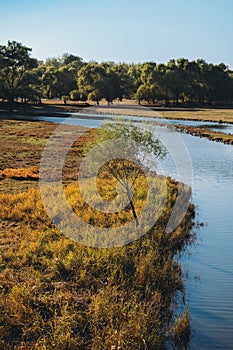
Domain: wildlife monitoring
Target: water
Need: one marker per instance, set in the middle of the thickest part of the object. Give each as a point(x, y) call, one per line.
point(224, 127)
point(209, 287)
point(87, 122)
point(92, 120)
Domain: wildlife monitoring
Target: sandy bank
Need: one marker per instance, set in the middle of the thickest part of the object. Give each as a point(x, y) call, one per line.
point(123, 109)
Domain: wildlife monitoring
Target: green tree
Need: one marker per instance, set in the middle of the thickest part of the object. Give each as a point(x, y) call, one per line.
point(53, 62)
point(148, 73)
point(139, 148)
point(174, 80)
point(66, 75)
point(147, 88)
point(218, 83)
point(146, 92)
point(134, 72)
point(124, 82)
point(92, 81)
point(30, 89)
point(59, 75)
point(65, 81)
point(49, 80)
point(72, 61)
point(16, 63)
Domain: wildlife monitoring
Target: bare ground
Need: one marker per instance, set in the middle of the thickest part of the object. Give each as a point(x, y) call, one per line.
point(133, 109)
point(123, 109)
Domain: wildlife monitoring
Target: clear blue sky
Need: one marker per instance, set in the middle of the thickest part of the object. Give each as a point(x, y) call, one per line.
point(122, 30)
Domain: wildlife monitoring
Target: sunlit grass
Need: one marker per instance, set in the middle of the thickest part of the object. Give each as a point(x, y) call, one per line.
point(56, 293)
point(225, 115)
point(31, 173)
point(59, 294)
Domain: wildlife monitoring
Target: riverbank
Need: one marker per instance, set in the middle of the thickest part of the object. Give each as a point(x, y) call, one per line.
point(49, 109)
point(213, 115)
point(142, 111)
point(57, 293)
point(200, 132)
point(126, 109)
point(132, 109)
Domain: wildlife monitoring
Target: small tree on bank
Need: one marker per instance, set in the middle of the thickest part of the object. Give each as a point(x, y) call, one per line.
point(139, 149)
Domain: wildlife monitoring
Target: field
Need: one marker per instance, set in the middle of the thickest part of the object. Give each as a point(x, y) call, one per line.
point(202, 114)
point(59, 294)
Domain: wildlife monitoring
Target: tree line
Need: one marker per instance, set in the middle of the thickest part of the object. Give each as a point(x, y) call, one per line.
point(27, 79)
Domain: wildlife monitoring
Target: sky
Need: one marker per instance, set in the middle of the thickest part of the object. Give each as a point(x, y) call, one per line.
point(129, 31)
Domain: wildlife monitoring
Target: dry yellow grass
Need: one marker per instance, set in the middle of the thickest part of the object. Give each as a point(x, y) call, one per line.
point(20, 173)
point(58, 294)
point(131, 108)
point(226, 115)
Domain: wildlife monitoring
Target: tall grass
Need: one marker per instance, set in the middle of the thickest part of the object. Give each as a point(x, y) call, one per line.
point(59, 294)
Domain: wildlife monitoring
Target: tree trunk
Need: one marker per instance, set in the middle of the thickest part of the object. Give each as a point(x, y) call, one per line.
point(134, 213)
point(11, 105)
point(132, 207)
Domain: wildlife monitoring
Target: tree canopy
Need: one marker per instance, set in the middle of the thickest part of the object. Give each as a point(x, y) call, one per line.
point(174, 82)
point(16, 63)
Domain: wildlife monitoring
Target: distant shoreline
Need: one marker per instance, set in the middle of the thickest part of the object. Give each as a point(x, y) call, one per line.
point(123, 109)
point(127, 108)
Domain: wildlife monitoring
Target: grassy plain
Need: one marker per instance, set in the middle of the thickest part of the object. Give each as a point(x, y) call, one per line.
point(58, 294)
point(202, 114)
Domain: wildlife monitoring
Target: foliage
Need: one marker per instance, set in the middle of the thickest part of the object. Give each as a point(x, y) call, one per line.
point(181, 330)
point(91, 81)
point(139, 148)
point(74, 95)
point(15, 63)
point(142, 136)
point(177, 81)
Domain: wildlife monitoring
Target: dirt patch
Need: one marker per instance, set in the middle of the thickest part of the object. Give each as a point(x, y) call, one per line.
point(123, 109)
